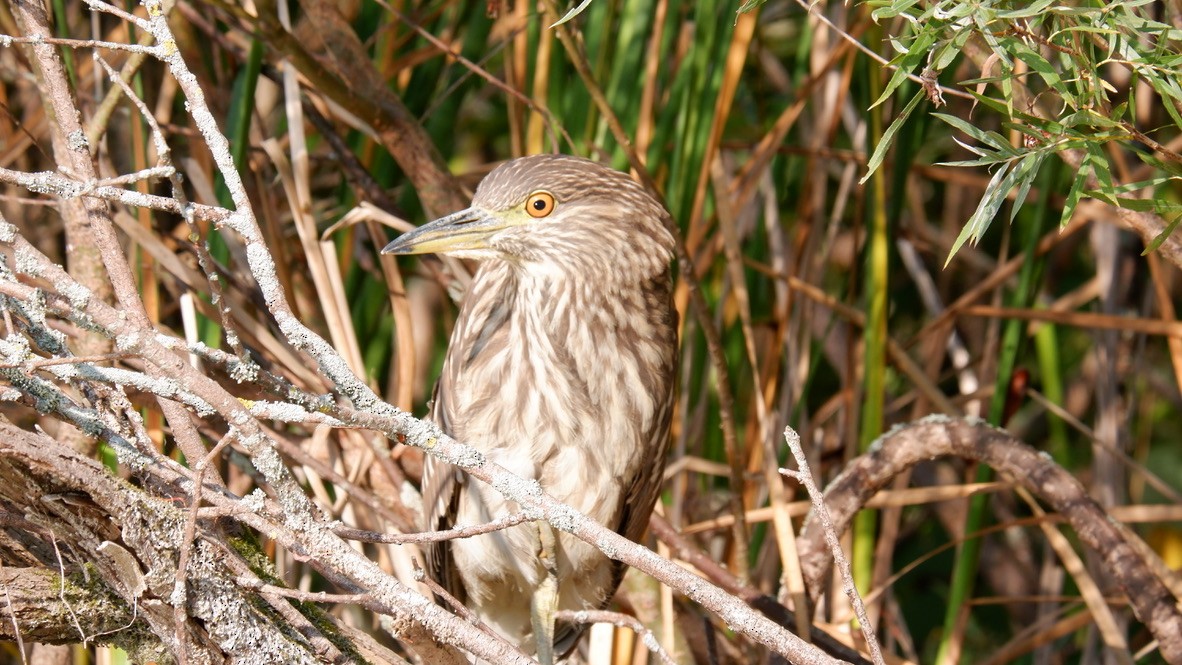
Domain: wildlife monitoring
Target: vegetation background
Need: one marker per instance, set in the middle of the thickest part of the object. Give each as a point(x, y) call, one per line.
point(837, 171)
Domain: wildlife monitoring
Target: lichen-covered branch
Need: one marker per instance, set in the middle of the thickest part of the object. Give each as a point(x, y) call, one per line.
point(38, 605)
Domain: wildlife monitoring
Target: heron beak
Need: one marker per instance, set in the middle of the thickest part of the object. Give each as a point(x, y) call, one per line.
point(464, 231)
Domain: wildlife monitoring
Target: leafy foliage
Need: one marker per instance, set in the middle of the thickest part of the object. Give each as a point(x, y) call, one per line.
point(1043, 72)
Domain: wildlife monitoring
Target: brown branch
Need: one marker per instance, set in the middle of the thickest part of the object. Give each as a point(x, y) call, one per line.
point(623, 621)
point(455, 533)
point(939, 436)
point(342, 71)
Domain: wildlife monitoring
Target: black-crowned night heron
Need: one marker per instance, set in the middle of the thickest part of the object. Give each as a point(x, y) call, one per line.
point(561, 369)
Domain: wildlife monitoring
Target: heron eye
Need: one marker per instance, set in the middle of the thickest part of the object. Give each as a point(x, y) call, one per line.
point(540, 204)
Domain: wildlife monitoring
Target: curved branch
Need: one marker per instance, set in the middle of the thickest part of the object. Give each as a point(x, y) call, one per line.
point(939, 436)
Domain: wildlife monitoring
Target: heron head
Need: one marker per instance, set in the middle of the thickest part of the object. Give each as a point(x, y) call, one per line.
point(551, 211)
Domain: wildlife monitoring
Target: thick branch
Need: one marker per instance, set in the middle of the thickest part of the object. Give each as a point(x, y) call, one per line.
point(130, 541)
point(37, 606)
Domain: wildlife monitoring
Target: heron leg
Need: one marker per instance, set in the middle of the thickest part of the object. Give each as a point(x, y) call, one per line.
point(544, 603)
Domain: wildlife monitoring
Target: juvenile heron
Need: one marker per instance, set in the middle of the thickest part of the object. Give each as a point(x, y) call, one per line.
point(560, 368)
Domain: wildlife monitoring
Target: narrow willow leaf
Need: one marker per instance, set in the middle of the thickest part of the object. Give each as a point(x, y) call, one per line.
point(1161, 237)
point(892, 10)
point(952, 50)
point(1039, 133)
point(1137, 23)
point(1078, 187)
point(1046, 71)
point(1089, 118)
point(976, 150)
point(1144, 184)
point(1094, 154)
point(994, 104)
point(1025, 174)
point(1092, 29)
point(987, 160)
point(1034, 9)
point(1146, 205)
point(980, 19)
point(1129, 4)
point(1170, 167)
point(1007, 92)
point(888, 137)
point(991, 139)
point(1168, 86)
point(906, 63)
point(1164, 90)
point(983, 215)
point(572, 13)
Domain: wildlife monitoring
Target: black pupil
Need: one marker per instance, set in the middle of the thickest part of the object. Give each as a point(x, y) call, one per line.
point(539, 205)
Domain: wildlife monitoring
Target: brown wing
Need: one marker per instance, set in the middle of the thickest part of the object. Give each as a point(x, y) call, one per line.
point(641, 492)
point(480, 319)
point(441, 496)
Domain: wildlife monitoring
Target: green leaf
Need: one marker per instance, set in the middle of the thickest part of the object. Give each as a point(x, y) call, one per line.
point(1165, 91)
point(1161, 237)
point(1173, 168)
point(1094, 155)
point(951, 50)
point(572, 13)
point(888, 137)
point(1007, 92)
point(892, 10)
point(1088, 117)
point(1024, 174)
point(989, 159)
point(1031, 10)
point(906, 63)
point(1144, 184)
point(997, 105)
point(1045, 70)
point(986, 33)
point(1147, 205)
point(989, 138)
point(1021, 176)
point(983, 215)
point(1076, 192)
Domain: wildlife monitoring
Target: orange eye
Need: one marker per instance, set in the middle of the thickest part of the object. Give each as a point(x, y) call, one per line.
point(540, 204)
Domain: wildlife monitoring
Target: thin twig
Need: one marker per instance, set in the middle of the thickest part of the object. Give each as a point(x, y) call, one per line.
point(180, 590)
point(623, 621)
point(925, 83)
point(805, 477)
point(455, 533)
